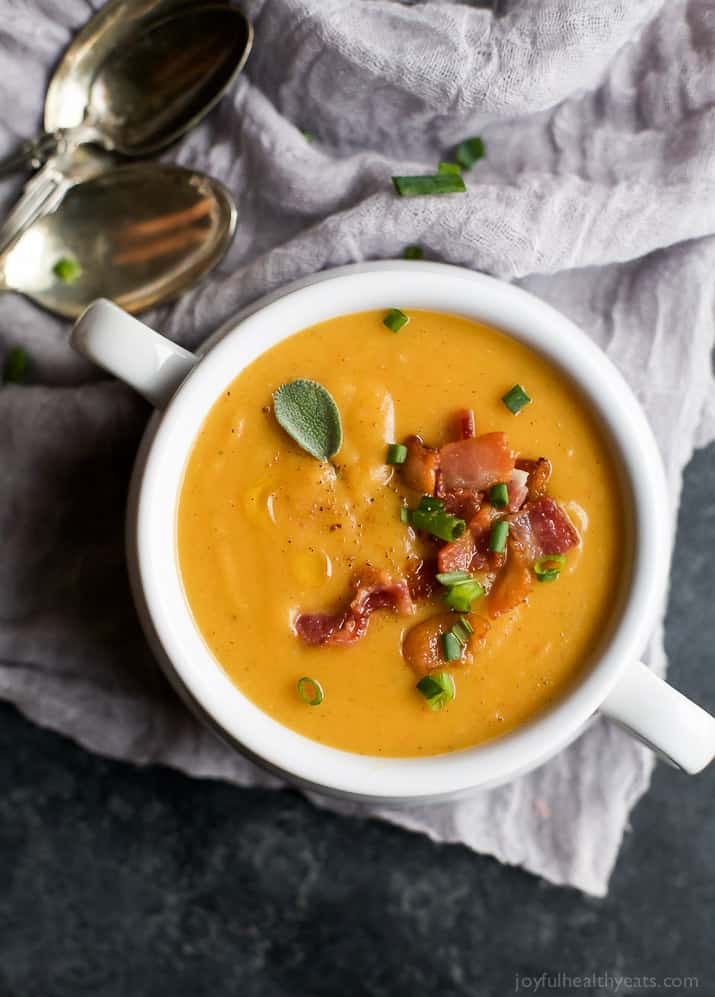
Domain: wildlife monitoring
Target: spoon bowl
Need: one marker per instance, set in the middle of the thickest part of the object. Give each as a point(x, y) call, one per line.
point(139, 234)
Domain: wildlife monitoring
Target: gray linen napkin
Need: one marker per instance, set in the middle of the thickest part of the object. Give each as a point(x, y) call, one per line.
point(598, 194)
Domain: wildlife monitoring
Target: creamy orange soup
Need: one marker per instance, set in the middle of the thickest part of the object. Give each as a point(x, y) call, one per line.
point(266, 532)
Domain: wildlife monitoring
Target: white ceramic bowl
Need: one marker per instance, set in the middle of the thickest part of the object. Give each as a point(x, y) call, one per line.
point(183, 387)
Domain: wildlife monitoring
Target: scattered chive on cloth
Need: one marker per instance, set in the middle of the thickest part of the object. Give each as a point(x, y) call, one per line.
point(597, 193)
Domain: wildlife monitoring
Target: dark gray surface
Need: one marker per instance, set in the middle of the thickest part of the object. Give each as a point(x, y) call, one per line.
point(117, 881)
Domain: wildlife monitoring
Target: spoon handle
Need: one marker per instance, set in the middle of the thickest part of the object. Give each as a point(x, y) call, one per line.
point(33, 152)
point(42, 194)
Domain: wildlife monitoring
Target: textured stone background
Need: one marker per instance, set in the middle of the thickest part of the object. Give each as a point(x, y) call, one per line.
point(116, 881)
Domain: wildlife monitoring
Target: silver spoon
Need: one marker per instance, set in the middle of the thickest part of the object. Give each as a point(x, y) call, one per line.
point(139, 234)
point(138, 75)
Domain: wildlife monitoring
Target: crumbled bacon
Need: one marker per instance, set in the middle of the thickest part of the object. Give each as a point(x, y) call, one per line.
point(464, 424)
point(553, 530)
point(517, 489)
point(464, 503)
point(420, 468)
point(421, 580)
point(476, 463)
point(457, 555)
point(539, 472)
point(422, 646)
point(372, 590)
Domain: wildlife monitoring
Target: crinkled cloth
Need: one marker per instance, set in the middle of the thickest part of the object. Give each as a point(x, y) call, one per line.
point(597, 193)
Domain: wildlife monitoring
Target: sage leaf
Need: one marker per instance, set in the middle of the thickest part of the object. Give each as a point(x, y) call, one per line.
point(308, 413)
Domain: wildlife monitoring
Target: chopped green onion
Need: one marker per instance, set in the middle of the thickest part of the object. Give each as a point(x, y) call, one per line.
point(469, 152)
point(310, 691)
point(460, 597)
point(67, 270)
point(463, 630)
point(15, 367)
point(438, 689)
point(308, 136)
point(395, 320)
point(449, 168)
point(548, 569)
point(499, 496)
point(396, 453)
point(451, 648)
point(498, 535)
point(516, 399)
point(432, 517)
point(413, 253)
point(450, 578)
point(404, 514)
point(441, 183)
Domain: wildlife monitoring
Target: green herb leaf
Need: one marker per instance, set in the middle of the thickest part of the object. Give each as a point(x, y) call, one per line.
point(437, 688)
point(441, 183)
point(308, 413)
point(469, 152)
point(67, 270)
point(15, 367)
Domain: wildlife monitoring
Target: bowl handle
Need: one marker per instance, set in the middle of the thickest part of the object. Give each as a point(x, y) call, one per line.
point(654, 712)
point(124, 346)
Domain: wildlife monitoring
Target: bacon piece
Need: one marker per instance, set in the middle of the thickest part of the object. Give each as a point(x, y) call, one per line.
point(372, 590)
point(512, 585)
point(420, 468)
point(465, 425)
point(541, 528)
point(553, 530)
point(421, 580)
point(539, 472)
point(464, 502)
point(457, 555)
point(422, 646)
point(517, 489)
point(476, 463)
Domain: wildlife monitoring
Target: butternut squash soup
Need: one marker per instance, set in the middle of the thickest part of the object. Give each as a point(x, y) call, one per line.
point(399, 532)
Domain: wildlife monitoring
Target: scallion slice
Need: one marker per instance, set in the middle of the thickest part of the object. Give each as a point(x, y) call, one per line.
point(451, 648)
point(498, 535)
point(437, 688)
point(499, 496)
point(432, 517)
point(67, 270)
point(396, 453)
point(450, 578)
point(548, 569)
point(460, 597)
point(310, 691)
point(404, 514)
point(440, 183)
point(413, 253)
point(15, 366)
point(515, 399)
point(469, 152)
point(395, 320)
point(463, 630)
point(449, 168)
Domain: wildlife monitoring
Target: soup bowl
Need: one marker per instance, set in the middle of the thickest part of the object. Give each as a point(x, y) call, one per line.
point(183, 387)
